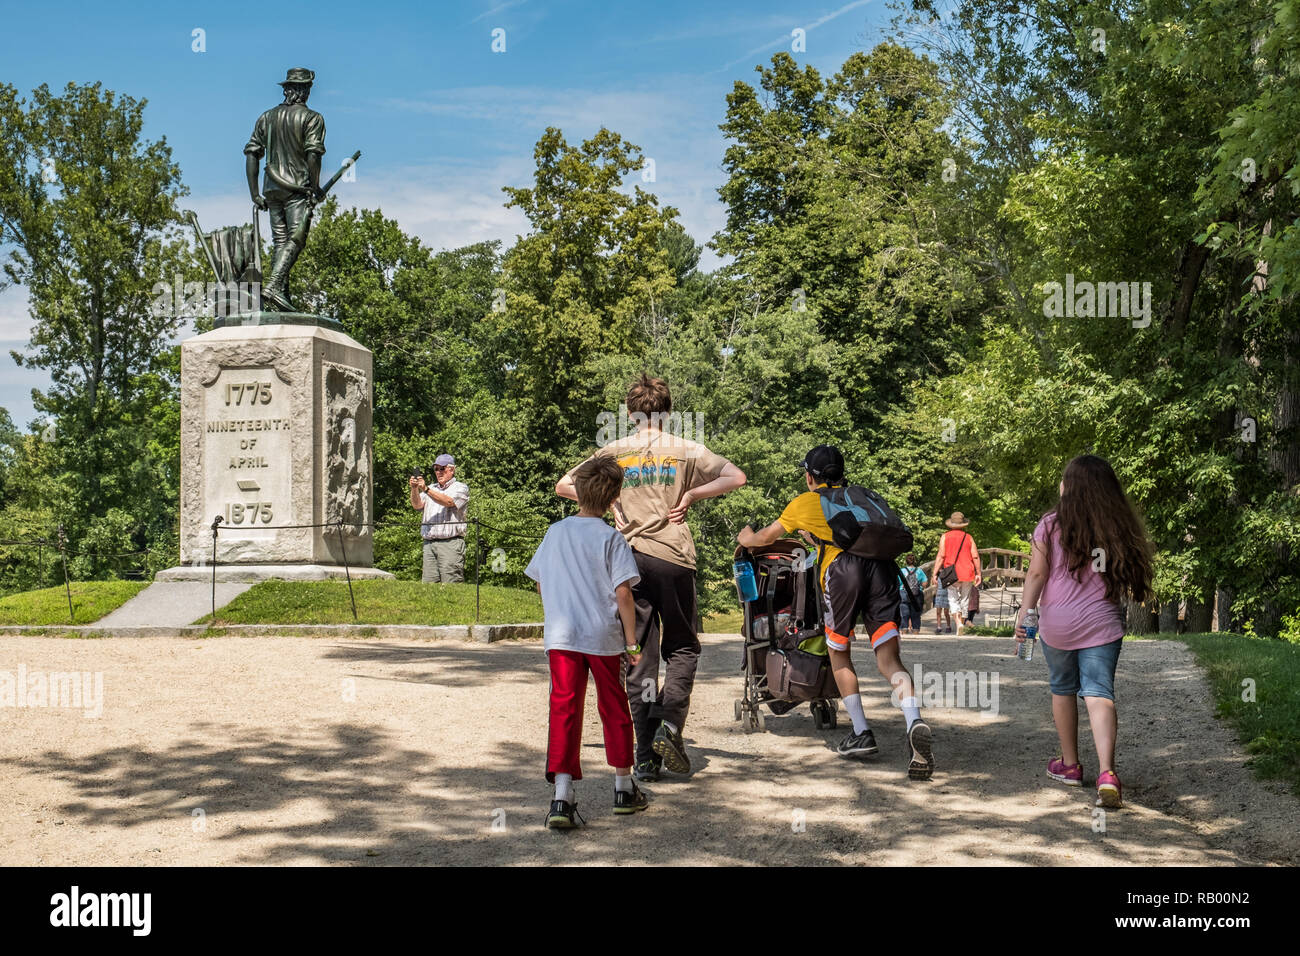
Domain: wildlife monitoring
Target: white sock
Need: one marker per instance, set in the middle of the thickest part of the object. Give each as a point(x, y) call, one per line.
point(564, 787)
point(670, 725)
point(623, 783)
point(911, 710)
point(853, 704)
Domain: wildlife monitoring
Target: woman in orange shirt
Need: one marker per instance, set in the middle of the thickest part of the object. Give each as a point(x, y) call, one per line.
point(957, 548)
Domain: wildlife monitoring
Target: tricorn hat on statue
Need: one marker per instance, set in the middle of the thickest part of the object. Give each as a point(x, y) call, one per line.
point(299, 74)
point(958, 520)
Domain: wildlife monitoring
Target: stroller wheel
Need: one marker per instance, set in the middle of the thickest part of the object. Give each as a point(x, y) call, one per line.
point(760, 722)
point(740, 708)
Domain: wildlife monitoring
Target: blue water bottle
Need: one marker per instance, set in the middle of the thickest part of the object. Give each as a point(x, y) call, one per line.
point(746, 586)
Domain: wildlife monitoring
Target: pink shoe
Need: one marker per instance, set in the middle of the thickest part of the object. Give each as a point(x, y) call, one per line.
point(1069, 774)
point(1108, 791)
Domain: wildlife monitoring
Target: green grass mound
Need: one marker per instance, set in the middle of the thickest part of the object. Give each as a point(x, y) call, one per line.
point(378, 602)
point(724, 622)
point(91, 600)
point(983, 630)
point(1254, 682)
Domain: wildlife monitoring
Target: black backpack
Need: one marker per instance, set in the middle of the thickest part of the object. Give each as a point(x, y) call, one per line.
point(862, 523)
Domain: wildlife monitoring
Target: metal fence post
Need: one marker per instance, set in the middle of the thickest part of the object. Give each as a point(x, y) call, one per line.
point(215, 522)
point(72, 619)
point(478, 564)
point(344, 551)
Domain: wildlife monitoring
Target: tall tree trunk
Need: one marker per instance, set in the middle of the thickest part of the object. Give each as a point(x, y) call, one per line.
point(1223, 617)
point(1284, 461)
point(1141, 618)
point(1200, 611)
point(1169, 616)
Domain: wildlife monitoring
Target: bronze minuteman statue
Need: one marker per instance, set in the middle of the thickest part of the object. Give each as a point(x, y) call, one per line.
point(292, 138)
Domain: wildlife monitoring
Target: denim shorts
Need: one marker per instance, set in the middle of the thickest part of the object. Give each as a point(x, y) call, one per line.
point(1087, 672)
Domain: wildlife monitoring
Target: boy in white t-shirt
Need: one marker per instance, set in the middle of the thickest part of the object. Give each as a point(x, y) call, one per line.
point(585, 570)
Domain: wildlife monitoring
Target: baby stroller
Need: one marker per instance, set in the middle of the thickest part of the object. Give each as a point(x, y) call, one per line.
point(785, 659)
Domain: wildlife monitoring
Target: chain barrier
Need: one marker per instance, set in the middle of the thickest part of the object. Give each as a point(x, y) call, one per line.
point(59, 543)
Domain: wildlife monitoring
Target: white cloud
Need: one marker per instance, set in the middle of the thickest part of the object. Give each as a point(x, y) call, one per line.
point(672, 124)
point(15, 323)
point(498, 9)
point(807, 27)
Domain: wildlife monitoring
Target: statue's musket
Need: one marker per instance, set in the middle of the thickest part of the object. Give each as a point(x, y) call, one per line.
point(257, 243)
point(300, 234)
point(194, 220)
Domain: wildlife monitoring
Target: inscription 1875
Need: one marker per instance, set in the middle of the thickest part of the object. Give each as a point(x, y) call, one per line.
point(247, 478)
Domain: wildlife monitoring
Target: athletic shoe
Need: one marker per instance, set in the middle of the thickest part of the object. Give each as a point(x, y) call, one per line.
point(648, 769)
point(863, 744)
point(1069, 774)
point(562, 815)
point(629, 801)
point(921, 766)
point(1108, 791)
point(668, 745)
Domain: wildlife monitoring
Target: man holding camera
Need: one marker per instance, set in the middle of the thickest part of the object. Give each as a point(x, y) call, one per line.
point(443, 525)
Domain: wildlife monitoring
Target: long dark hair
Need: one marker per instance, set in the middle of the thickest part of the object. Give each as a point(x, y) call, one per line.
point(1095, 513)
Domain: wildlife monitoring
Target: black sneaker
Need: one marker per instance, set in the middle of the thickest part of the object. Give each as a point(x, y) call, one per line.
point(919, 736)
point(668, 745)
point(629, 801)
point(854, 745)
point(648, 769)
point(562, 814)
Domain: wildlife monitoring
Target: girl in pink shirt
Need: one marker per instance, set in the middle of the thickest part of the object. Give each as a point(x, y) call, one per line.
point(1089, 554)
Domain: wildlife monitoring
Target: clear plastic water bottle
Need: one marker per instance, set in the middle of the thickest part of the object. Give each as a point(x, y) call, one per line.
point(746, 586)
point(1025, 650)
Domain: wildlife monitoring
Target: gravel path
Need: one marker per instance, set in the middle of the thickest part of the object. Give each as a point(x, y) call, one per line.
point(294, 750)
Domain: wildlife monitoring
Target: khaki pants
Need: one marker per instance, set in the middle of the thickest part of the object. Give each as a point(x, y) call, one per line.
point(444, 561)
point(959, 599)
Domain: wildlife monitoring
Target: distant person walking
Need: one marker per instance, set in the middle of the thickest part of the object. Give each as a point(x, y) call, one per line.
point(941, 612)
point(443, 525)
point(958, 566)
point(1089, 555)
point(910, 613)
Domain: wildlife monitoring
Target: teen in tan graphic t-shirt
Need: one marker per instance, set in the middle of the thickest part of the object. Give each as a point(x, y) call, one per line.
point(663, 475)
point(658, 471)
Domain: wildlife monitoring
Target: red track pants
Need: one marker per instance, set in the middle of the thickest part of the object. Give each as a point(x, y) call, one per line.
point(569, 694)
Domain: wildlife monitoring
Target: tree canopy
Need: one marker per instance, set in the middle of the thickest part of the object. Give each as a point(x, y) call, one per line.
point(1014, 233)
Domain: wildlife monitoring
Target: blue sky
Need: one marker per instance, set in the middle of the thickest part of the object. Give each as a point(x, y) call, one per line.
point(443, 121)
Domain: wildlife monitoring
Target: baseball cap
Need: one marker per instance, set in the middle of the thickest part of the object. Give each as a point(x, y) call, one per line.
point(824, 463)
point(445, 459)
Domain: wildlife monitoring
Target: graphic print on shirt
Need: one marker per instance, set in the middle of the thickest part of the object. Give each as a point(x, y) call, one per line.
point(641, 470)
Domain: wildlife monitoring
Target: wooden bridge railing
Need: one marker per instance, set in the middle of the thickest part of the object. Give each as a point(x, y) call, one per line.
point(998, 567)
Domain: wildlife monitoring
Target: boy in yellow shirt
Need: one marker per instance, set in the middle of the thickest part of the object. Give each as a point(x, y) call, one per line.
point(852, 585)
